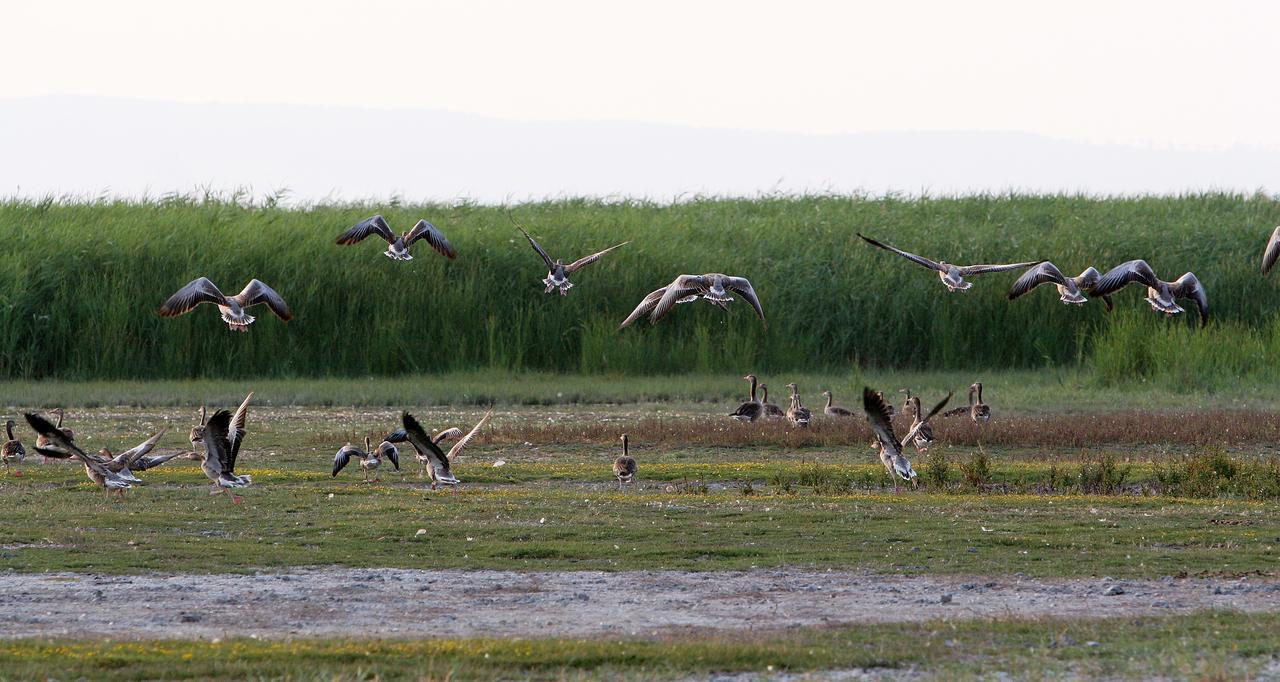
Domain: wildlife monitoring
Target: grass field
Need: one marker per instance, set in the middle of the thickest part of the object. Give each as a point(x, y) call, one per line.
point(833, 302)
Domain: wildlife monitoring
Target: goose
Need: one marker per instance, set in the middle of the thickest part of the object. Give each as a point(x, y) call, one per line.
point(201, 290)
point(223, 436)
point(1069, 288)
point(197, 431)
point(62, 447)
point(753, 408)
point(1163, 296)
point(922, 432)
point(797, 413)
point(891, 449)
point(977, 410)
point(624, 467)
point(424, 459)
point(122, 464)
point(906, 400)
point(370, 457)
point(398, 246)
point(951, 275)
point(835, 410)
point(557, 272)
point(1272, 252)
point(426, 447)
point(13, 448)
point(714, 287)
point(771, 411)
point(44, 443)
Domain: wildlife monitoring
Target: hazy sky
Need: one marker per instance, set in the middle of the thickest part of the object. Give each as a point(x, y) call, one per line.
point(1167, 74)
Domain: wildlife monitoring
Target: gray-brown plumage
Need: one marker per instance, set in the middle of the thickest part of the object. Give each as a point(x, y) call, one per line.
point(951, 275)
point(835, 410)
point(1069, 288)
point(1161, 295)
point(223, 436)
point(771, 411)
point(232, 308)
point(753, 408)
point(426, 447)
point(45, 444)
point(13, 450)
point(922, 432)
point(1272, 252)
point(197, 432)
point(797, 413)
point(891, 449)
point(398, 245)
point(624, 467)
point(370, 457)
point(62, 447)
point(557, 271)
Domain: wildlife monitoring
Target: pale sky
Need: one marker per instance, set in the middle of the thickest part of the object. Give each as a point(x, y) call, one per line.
point(1183, 75)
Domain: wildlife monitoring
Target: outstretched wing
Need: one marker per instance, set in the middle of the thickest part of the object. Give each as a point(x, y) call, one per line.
point(256, 292)
point(588, 260)
point(421, 442)
point(433, 236)
point(1044, 273)
point(345, 453)
point(683, 286)
point(237, 431)
point(129, 457)
point(375, 225)
point(390, 451)
point(1187, 286)
point(1272, 251)
point(144, 463)
point(217, 444)
point(920, 260)
point(65, 447)
point(536, 247)
point(458, 447)
point(1087, 280)
point(743, 286)
point(196, 292)
point(646, 306)
point(1121, 275)
point(878, 417)
point(925, 420)
point(971, 270)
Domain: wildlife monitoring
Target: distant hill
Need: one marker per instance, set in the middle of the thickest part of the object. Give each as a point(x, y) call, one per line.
point(92, 145)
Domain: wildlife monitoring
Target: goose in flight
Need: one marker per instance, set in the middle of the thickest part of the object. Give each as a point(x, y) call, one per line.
point(624, 467)
point(891, 449)
point(232, 308)
point(370, 457)
point(951, 275)
point(398, 246)
point(223, 436)
point(1163, 296)
point(1069, 288)
point(1272, 252)
point(64, 448)
point(714, 287)
point(426, 447)
point(557, 271)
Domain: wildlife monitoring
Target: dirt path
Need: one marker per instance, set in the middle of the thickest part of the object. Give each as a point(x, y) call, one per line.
point(412, 603)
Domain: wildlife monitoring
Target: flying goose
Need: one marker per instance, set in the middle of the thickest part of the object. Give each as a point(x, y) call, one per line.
point(1163, 296)
point(951, 275)
point(370, 457)
point(753, 408)
point(398, 246)
point(771, 411)
point(122, 464)
point(13, 448)
point(891, 449)
point(835, 410)
point(223, 436)
point(1272, 252)
point(557, 272)
point(1069, 288)
point(62, 447)
point(797, 413)
point(201, 290)
point(426, 447)
point(624, 467)
point(714, 287)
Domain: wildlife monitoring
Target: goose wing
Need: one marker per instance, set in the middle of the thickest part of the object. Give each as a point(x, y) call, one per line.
point(920, 260)
point(647, 304)
point(878, 417)
point(683, 286)
point(1272, 251)
point(971, 270)
point(1187, 286)
point(434, 237)
point(743, 286)
point(153, 461)
point(1087, 280)
point(1121, 275)
point(196, 291)
point(375, 225)
point(128, 457)
point(920, 423)
point(1044, 273)
point(588, 260)
point(462, 443)
point(345, 453)
point(451, 432)
point(217, 442)
point(536, 247)
point(66, 448)
point(391, 452)
point(256, 292)
point(236, 432)
point(423, 444)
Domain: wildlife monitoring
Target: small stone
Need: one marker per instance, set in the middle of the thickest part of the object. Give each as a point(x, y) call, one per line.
point(1113, 590)
point(945, 599)
point(1161, 605)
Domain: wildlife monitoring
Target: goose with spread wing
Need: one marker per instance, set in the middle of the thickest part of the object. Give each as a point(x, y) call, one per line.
point(64, 448)
point(557, 271)
point(891, 449)
point(202, 290)
point(398, 245)
point(714, 287)
point(1161, 295)
point(437, 460)
point(1272, 252)
point(951, 275)
point(223, 436)
point(370, 457)
point(424, 458)
point(1069, 288)
point(122, 463)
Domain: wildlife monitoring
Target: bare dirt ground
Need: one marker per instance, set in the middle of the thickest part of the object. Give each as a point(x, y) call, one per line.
point(415, 603)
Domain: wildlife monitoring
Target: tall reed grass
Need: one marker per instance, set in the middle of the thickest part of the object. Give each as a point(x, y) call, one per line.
point(80, 281)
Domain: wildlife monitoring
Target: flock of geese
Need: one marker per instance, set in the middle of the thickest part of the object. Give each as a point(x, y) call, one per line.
point(222, 435)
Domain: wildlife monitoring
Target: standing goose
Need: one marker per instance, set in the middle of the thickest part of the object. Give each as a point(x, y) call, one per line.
point(1272, 252)
point(797, 413)
point(423, 444)
point(624, 467)
point(201, 290)
point(1163, 296)
point(197, 431)
point(921, 431)
point(223, 436)
point(62, 447)
point(891, 449)
point(557, 272)
point(770, 410)
point(1069, 288)
point(835, 410)
point(398, 246)
point(370, 457)
point(13, 449)
point(977, 410)
point(753, 408)
point(951, 275)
